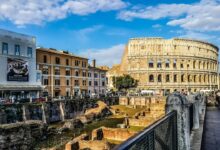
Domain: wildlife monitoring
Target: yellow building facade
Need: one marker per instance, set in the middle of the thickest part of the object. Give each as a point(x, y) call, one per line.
point(173, 64)
point(63, 74)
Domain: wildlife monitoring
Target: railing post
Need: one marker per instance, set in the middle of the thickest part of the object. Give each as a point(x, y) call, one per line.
point(178, 102)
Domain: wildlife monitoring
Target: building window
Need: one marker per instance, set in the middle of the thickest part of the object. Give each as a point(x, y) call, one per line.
point(57, 71)
point(95, 75)
point(77, 73)
point(67, 72)
point(84, 74)
point(167, 63)
point(45, 81)
point(77, 62)
point(167, 78)
point(159, 78)
point(67, 62)
point(67, 82)
point(174, 63)
point(159, 64)
point(95, 83)
point(57, 60)
point(84, 82)
point(174, 78)
point(45, 71)
point(76, 82)
point(103, 83)
point(90, 83)
point(151, 64)
point(29, 51)
point(57, 81)
point(45, 59)
point(89, 74)
point(151, 78)
point(102, 76)
point(84, 64)
point(17, 50)
point(5, 48)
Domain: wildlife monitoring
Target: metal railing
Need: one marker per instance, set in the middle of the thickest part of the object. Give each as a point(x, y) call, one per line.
point(162, 135)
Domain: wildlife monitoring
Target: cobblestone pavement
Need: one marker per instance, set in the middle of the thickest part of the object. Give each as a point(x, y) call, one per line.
point(211, 135)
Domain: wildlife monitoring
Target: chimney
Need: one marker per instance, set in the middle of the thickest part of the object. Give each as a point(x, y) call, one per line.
point(94, 63)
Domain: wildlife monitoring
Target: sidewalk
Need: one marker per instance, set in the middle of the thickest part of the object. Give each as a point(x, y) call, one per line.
point(211, 135)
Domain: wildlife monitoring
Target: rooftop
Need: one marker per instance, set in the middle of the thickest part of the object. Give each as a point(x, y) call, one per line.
point(184, 39)
point(60, 52)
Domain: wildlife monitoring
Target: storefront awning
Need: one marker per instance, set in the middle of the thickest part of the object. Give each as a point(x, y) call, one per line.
point(21, 88)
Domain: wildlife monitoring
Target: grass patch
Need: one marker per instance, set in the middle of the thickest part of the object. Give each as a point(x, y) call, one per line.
point(136, 128)
point(108, 122)
point(130, 111)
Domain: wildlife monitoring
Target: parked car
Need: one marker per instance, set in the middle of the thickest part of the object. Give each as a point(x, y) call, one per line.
point(38, 100)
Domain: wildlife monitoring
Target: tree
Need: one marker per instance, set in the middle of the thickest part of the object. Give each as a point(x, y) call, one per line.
point(124, 82)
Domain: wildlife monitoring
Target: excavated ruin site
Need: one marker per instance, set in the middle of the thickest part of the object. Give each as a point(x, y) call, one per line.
point(77, 124)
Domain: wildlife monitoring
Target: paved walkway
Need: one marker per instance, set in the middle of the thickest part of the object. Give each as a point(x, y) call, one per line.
point(211, 135)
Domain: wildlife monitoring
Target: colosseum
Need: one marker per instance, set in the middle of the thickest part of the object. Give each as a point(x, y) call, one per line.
point(169, 64)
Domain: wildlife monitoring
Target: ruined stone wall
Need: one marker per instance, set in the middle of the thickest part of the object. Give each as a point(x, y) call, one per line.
point(117, 134)
point(20, 135)
point(94, 145)
point(140, 100)
point(48, 112)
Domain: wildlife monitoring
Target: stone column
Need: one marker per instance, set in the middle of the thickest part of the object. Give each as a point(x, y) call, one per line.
point(202, 104)
point(44, 119)
point(24, 113)
point(178, 102)
point(194, 99)
point(196, 107)
point(62, 114)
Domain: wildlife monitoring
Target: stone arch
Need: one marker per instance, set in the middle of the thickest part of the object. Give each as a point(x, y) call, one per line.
point(194, 64)
point(203, 67)
point(151, 78)
point(200, 78)
point(159, 78)
point(182, 78)
point(194, 78)
point(188, 78)
point(167, 78)
point(151, 63)
point(199, 64)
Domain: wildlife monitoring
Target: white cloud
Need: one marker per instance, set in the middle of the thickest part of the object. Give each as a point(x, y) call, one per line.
point(108, 56)
point(82, 35)
point(157, 26)
point(198, 36)
point(202, 16)
point(22, 12)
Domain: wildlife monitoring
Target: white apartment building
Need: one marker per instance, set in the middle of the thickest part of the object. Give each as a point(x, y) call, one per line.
point(19, 78)
point(97, 80)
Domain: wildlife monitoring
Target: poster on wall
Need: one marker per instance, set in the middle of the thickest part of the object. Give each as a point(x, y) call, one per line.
point(17, 70)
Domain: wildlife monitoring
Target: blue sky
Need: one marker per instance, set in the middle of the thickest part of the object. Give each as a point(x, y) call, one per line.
point(100, 28)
